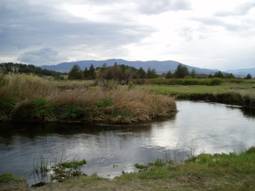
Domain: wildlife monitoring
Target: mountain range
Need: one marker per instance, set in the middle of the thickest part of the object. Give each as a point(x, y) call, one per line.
point(159, 66)
point(243, 72)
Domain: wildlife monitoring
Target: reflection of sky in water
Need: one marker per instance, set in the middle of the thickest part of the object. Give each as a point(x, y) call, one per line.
point(202, 127)
point(198, 127)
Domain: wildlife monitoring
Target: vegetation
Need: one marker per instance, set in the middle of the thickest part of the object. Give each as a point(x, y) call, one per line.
point(181, 71)
point(65, 170)
point(204, 172)
point(26, 69)
point(9, 182)
point(230, 91)
point(34, 99)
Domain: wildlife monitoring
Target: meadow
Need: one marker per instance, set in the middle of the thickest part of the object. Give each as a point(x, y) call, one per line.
point(229, 91)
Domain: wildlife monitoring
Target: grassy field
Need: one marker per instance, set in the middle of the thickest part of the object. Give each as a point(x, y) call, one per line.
point(239, 92)
point(225, 172)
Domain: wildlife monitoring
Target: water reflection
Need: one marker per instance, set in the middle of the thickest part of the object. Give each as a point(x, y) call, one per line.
point(198, 127)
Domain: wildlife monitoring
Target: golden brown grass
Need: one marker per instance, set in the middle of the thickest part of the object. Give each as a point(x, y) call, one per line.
point(80, 101)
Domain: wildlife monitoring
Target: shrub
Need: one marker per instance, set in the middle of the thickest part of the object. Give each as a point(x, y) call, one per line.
point(32, 111)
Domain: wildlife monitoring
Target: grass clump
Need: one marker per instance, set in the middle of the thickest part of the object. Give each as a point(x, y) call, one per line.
point(65, 170)
point(8, 177)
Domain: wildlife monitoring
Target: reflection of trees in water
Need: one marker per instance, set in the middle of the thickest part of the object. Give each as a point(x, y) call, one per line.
point(31, 130)
point(248, 112)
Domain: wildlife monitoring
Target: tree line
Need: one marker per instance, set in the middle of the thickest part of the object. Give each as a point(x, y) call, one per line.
point(10, 67)
point(125, 73)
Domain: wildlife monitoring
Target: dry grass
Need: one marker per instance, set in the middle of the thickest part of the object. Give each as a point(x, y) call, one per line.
point(81, 101)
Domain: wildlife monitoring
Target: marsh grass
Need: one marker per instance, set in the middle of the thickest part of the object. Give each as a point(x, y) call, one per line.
point(227, 172)
point(37, 99)
point(230, 92)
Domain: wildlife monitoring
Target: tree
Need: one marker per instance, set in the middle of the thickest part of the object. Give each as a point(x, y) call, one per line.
point(169, 74)
point(219, 74)
point(248, 77)
point(230, 76)
point(75, 73)
point(151, 73)
point(181, 71)
point(141, 73)
point(193, 73)
point(90, 73)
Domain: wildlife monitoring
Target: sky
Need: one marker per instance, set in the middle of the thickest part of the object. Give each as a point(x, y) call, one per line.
point(204, 33)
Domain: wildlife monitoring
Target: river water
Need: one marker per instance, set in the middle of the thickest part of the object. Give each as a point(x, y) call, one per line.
point(198, 127)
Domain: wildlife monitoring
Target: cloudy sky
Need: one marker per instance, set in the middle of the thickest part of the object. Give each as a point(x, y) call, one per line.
point(205, 33)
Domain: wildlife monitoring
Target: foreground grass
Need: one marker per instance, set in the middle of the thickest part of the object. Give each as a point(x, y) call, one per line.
point(27, 98)
point(205, 172)
point(9, 182)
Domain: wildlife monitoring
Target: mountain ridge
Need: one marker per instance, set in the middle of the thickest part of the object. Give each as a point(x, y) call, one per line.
point(243, 71)
point(159, 66)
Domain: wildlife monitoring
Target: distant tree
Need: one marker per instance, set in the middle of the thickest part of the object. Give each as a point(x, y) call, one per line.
point(90, 73)
point(75, 73)
point(27, 69)
point(151, 73)
point(181, 71)
point(231, 76)
point(193, 73)
point(248, 77)
point(141, 73)
point(219, 74)
point(169, 74)
point(121, 73)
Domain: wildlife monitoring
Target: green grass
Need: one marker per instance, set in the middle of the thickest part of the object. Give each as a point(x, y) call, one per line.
point(227, 172)
point(242, 88)
point(235, 92)
point(7, 177)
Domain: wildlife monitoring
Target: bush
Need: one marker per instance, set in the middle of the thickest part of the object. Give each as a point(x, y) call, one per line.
point(37, 110)
point(185, 82)
point(70, 112)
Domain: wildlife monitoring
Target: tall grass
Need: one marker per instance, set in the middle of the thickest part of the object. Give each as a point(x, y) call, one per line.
point(39, 99)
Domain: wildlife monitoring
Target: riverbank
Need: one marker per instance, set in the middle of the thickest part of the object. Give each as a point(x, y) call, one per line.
point(204, 172)
point(27, 98)
point(233, 92)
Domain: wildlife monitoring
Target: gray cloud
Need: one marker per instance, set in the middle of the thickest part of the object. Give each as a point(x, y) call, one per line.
point(41, 57)
point(27, 25)
point(159, 6)
point(241, 10)
point(220, 23)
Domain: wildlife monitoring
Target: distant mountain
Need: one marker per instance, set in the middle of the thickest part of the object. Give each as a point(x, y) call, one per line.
point(159, 66)
point(243, 72)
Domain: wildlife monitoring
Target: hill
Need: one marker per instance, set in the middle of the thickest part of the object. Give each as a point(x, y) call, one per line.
point(243, 71)
point(159, 66)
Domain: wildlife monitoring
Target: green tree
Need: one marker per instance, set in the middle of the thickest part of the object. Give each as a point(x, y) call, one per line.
point(92, 72)
point(219, 74)
point(181, 71)
point(248, 77)
point(193, 73)
point(141, 73)
point(151, 73)
point(169, 74)
point(75, 73)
